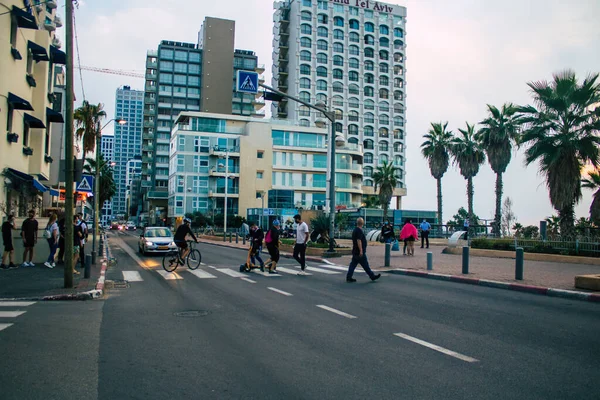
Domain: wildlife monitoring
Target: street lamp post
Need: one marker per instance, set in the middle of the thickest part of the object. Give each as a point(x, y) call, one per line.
point(120, 121)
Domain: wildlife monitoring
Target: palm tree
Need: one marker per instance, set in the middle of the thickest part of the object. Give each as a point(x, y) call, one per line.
point(469, 156)
point(108, 187)
point(562, 135)
point(593, 182)
point(385, 179)
point(436, 149)
point(499, 133)
point(370, 201)
point(87, 120)
point(553, 225)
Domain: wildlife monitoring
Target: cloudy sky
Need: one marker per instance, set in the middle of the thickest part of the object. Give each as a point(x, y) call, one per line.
point(461, 55)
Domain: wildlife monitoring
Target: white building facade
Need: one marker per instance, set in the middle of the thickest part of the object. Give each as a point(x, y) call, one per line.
point(349, 54)
point(107, 149)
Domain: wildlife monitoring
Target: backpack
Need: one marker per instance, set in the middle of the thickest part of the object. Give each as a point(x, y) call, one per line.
point(48, 232)
point(268, 237)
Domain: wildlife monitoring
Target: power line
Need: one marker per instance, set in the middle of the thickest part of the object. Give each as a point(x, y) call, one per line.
point(134, 74)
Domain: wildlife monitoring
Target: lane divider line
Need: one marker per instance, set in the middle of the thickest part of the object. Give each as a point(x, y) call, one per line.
point(279, 291)
point(437, 348)
point(248, 280)
point(338, 312)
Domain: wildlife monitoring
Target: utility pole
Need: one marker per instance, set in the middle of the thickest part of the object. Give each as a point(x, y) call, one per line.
point(68, 258)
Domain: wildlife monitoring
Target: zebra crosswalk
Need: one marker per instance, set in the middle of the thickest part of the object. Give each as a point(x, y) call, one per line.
point(10, 310)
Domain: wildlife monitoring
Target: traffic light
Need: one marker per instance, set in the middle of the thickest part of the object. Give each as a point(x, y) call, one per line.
point(272, 96)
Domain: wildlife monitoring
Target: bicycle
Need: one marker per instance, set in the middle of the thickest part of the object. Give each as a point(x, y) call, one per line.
point(173, 259)
point(208, 231)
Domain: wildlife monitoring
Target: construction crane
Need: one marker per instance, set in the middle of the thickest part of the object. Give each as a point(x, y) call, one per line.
point(134, 74)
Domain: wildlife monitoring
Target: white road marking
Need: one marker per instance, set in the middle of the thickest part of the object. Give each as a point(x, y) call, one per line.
point(280, 291)
point(328, 262)
point(202, 274)
point(4, 326)
point(16, 303)
point(339, 267)
point(268, 275)
point(11, 314)
point(231, 273)
point(437, 348)
point(168, 275)
point(248, 280)
point(338, 312)
point(289, 270)
point(132, 276)
point(210, 266)
point(321, 270)
point(131, 253)
point(202, 263)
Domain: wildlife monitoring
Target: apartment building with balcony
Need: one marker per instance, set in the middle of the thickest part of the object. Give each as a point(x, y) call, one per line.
point(267, 163)
point(107, 149)
point(189, 77)
point(29, 53)
point(351, 56)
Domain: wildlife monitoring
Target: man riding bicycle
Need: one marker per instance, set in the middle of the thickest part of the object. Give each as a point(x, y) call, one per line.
point(181, 235)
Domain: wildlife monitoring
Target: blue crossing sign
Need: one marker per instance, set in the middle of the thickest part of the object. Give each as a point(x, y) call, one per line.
point(247, 82)
point(86, 185)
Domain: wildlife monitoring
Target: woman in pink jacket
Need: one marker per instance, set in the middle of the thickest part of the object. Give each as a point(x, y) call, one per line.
point(409, 234)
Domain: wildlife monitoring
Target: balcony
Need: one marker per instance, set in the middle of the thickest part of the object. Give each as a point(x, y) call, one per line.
point(353, 188)
point(147, 159)
point(232, 192)
point(56, 42)
point(51, 4)
point(150, 88)
point(355, 169)
point(58, 21)
point(151, 76)
point(220, 172)
point(147, 136)
point(151, 64)
point(147, 147)
point(146, 184)
point(222, 151)
point(260, 68)
point(50, 26)
point(148, 124)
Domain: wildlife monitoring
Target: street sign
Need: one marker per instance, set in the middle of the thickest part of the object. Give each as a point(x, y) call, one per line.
point(247, 82)
point(86, 184)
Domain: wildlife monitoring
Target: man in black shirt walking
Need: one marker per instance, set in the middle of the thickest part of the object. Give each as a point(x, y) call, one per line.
point(9, 250)
point(359, 253)
point(29, 233)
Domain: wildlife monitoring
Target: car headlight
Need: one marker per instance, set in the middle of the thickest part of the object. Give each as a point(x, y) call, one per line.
point(172, 244)
point(149, 244)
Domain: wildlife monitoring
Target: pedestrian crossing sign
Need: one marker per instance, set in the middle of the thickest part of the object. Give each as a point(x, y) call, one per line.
point(247, 82)
point(86, 184)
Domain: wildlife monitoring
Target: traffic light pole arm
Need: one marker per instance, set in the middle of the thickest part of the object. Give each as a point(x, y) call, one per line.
point(328, 114)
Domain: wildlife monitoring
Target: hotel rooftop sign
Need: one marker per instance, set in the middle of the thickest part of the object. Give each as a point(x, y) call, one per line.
point(371, 5)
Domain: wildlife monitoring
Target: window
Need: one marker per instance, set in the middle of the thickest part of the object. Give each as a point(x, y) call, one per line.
point(322, 18)
point(369, 53)
point(383, 159)
point(181, 55)
point(368, 172)
point(180, 79)
point(354, 37)
point(304, 122)
point(369, 66)
point(194, 69)
point(304, 69)
point(338, 101)
point(321, 58)
point(398, 57)
point(398, 160)
point(338, 74)
point(368, 131)
point(338, 48)
point(304, 83)
point(398, 95)
point(322, 31)
point(321, 45)
point(338, 21)
point(398, 108)
point(384, 68)
point(353, 116)
point(305, 42)
point(353, 89)
point(398, 32)
point(398, 147)
point(369, 26)
point(304, 96)
point(384, 55)
point(369, 92)
point(353, 11)
point(368, 158)
point(353, 24)
point(369, 78)
point(384, 133)
point(322, 71)
point(384, 119)
point(369, 40)
point(368, 144)
point(398, 121)
point(398, 83)
point(353, 140)
point(338, 34)
point(384, 42)
point(322, 5)
point(304, 111)
point(369, 14)
point(305, 55)
point(194, 57)
point(384, 80)
point(353, 63)
point(307, 3)
point(338, 61)
point(321, 84)
point(338, 8)
point(321, 97)
point(306, 16)
point(353, 50)
point(398, 134)
point(166, 54)
point(260, 154)
point(338, 87)
point(306, 29)
point(369, 118)
point(353, 129)
point(369, 104)
point(384, 106)
point(398, 44)
point(339, 114)
point(353, 76)
point(384, 30)
point(398, 70)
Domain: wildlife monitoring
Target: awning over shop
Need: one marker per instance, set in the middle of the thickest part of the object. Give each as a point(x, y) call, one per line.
point(18, 103)
point(53, 116)
point(33, 122)
point(54, 192)
point(57, 56)
point(39, 186)
point(26, 178)
point(24, 19)
point(39, 53)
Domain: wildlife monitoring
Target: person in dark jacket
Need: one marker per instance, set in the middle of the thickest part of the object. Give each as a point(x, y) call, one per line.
point(61, 240)
point(387, 232)
point(272, 242)
point(256, 238)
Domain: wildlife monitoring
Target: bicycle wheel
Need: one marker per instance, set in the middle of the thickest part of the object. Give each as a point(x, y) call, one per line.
point(170, 262)
point(194, 259)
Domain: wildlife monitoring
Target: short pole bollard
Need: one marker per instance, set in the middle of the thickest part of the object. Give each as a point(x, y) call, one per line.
point(429, 261)
point(224, 236)
point(388, 249)
point(88, 266)
point(237, 238)
point(230, 237)
point(519, 264)
point(465, 260)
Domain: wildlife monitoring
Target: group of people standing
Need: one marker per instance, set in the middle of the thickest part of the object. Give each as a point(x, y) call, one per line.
point(54, 233)
point(408, 234)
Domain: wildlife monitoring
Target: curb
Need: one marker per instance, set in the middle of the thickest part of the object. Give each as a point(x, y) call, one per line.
point(539, 290)
point(284, 255)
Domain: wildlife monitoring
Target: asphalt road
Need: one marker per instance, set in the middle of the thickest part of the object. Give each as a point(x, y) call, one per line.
point(215, 335)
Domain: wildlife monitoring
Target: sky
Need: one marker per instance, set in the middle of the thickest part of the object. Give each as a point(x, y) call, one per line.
point(461, 55)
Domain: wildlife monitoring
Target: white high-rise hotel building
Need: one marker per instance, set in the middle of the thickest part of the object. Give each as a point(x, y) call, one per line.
point(351, 55)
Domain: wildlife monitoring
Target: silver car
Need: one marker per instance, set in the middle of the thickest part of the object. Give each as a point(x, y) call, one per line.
point(156, 240)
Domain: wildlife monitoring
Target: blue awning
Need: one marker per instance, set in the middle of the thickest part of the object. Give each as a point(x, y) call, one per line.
point(53, 116)
point(39, 186)
point(54, 192)
point(26, 178)
point(57, 56)
point(18, 103)
point(32, 121)
point(38, 52)
point(24, 19)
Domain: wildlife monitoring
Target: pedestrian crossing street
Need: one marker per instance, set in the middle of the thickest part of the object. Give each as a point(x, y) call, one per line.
point(10, 311)
point(214, 272)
